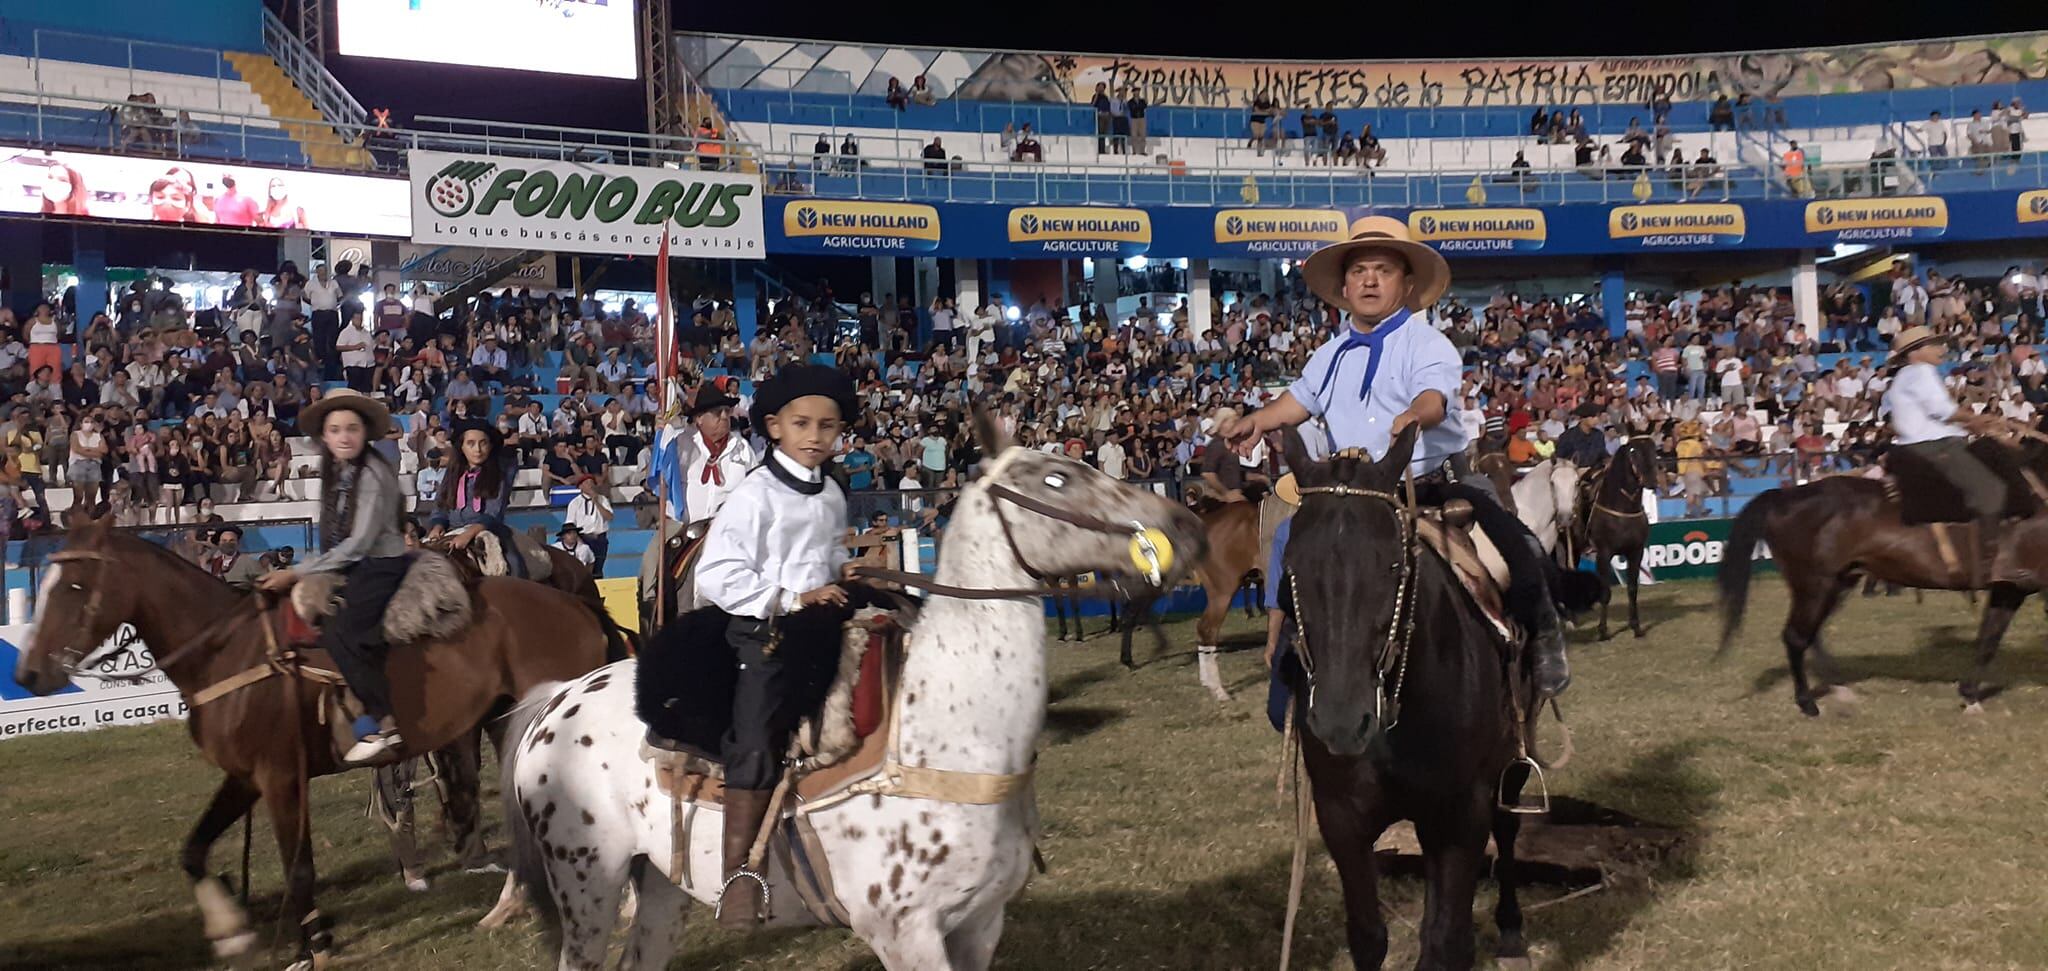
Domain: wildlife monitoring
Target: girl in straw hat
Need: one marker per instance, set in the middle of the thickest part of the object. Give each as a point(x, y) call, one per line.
point(360, 508)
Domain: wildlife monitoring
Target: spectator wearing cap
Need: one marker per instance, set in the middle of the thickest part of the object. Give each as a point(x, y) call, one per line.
point(590, 514)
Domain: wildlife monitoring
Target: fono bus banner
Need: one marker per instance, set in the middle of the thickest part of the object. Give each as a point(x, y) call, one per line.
point(550, 204)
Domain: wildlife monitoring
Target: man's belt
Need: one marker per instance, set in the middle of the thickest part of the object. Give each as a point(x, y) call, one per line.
point(1444, 473)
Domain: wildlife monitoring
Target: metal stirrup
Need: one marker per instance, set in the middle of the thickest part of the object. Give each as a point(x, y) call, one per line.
point(760, 913)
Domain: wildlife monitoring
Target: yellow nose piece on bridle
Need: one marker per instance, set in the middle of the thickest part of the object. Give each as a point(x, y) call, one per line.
point(1151, 553)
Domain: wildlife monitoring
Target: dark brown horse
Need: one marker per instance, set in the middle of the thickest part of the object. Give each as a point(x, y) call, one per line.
point(1825, 534)
point(1405, 700)
point(565, 573)
point(267, 736)
point(1611, 519)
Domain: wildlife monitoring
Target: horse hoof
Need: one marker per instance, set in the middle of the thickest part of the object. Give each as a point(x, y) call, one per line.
point(234, 946)
point(1640, 632)
point(416, 885)
point(1808, 708)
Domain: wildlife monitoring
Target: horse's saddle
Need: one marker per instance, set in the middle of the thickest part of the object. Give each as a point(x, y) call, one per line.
point(840, 664)
point(489, 554)
point(1480, 568)
point(432, 603)
point(1926, 494)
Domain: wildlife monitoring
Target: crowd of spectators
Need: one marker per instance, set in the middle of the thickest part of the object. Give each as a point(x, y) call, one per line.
point(163, 412)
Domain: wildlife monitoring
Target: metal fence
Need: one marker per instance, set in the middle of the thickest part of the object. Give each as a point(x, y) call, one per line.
point(188, 539)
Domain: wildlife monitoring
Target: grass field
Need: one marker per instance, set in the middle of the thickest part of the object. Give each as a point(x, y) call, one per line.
point(1894, 833)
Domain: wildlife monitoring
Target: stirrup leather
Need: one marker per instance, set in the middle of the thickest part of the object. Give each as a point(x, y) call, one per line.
point(761, 913)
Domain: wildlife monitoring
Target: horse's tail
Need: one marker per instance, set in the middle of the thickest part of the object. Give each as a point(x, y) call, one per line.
point(1737, 563)
point(527, 862)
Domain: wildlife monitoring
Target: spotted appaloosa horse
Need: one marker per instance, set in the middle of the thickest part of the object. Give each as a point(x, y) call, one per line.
point(924, 881)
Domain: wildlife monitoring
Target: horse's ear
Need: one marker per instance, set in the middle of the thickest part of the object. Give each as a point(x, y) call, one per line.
point(988, 433)
point(1293, 448)
point(1399, 453)
point(78, 519)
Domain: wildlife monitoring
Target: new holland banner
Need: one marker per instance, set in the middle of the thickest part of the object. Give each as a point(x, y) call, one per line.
point(548, 204)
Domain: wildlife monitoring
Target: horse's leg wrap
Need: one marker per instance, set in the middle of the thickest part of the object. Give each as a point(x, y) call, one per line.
point(1210, 673)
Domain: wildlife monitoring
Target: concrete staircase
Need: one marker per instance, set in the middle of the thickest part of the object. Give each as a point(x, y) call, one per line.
point(325, 147)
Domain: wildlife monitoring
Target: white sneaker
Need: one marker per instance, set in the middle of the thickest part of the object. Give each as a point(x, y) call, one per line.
point(372, 748)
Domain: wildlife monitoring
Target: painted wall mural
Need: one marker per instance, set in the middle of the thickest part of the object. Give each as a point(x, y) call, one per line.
point(783, 65)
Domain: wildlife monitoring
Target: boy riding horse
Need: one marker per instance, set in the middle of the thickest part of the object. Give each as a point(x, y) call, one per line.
point(1407, 374)
point(776, 547)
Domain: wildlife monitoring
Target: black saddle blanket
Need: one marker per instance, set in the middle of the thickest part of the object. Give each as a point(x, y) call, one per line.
point(687, 673)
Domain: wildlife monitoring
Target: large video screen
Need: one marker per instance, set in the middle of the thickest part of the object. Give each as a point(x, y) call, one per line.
point(200, 193)
point(593, 38)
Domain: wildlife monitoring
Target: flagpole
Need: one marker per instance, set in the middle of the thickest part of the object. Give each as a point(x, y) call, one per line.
point(664, 335)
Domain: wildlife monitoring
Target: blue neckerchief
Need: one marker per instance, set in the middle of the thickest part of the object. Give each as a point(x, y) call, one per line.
point(1354, 339)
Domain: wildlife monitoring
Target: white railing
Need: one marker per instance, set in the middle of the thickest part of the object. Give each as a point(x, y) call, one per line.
point(63, 46)
point(303, 67)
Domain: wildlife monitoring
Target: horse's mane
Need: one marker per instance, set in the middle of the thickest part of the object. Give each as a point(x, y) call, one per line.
point(131, 537)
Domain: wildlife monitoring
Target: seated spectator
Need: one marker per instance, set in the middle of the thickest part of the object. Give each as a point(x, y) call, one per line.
point(487, 364)
point(1027, 145)
point(1721, 117)
point(1369, 150)
point(921, 92)
point(935, 157)
point(897, 97)
point(849, 154)
point(821, 153)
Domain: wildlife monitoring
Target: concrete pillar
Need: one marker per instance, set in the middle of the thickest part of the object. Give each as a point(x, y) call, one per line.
point(745, 300)
point(967, 289)
point(1806, 293)
point(1199, 321)
point(1269, 277)
point(927, 279)
point(1106, 290)
point(881, 277)
point(89, 261)
point(1614, 300)
point(21, 263)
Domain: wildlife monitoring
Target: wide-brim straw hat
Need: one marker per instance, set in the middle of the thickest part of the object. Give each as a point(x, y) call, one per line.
point(1912, 339)
point(1429, 275)
point(376, 416)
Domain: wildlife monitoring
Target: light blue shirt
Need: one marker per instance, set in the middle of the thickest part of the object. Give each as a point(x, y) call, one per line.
point(1416, 358)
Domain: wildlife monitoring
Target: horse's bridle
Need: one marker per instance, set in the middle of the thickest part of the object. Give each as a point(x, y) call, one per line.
point(1392, 664)
point(70, 657)
point(1143, 547)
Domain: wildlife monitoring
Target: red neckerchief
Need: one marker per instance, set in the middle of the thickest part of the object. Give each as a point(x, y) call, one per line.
point(713, 474)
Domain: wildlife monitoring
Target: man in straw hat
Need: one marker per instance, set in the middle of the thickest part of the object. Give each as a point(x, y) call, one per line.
point(1390, 369)
point(1928, 426)
point(360, 507)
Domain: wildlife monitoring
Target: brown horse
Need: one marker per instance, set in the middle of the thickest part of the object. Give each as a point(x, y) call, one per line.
point(1611, 519)
point(1236, 544)
point(565, 573)
point(1825, 533)
point(267, 735)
